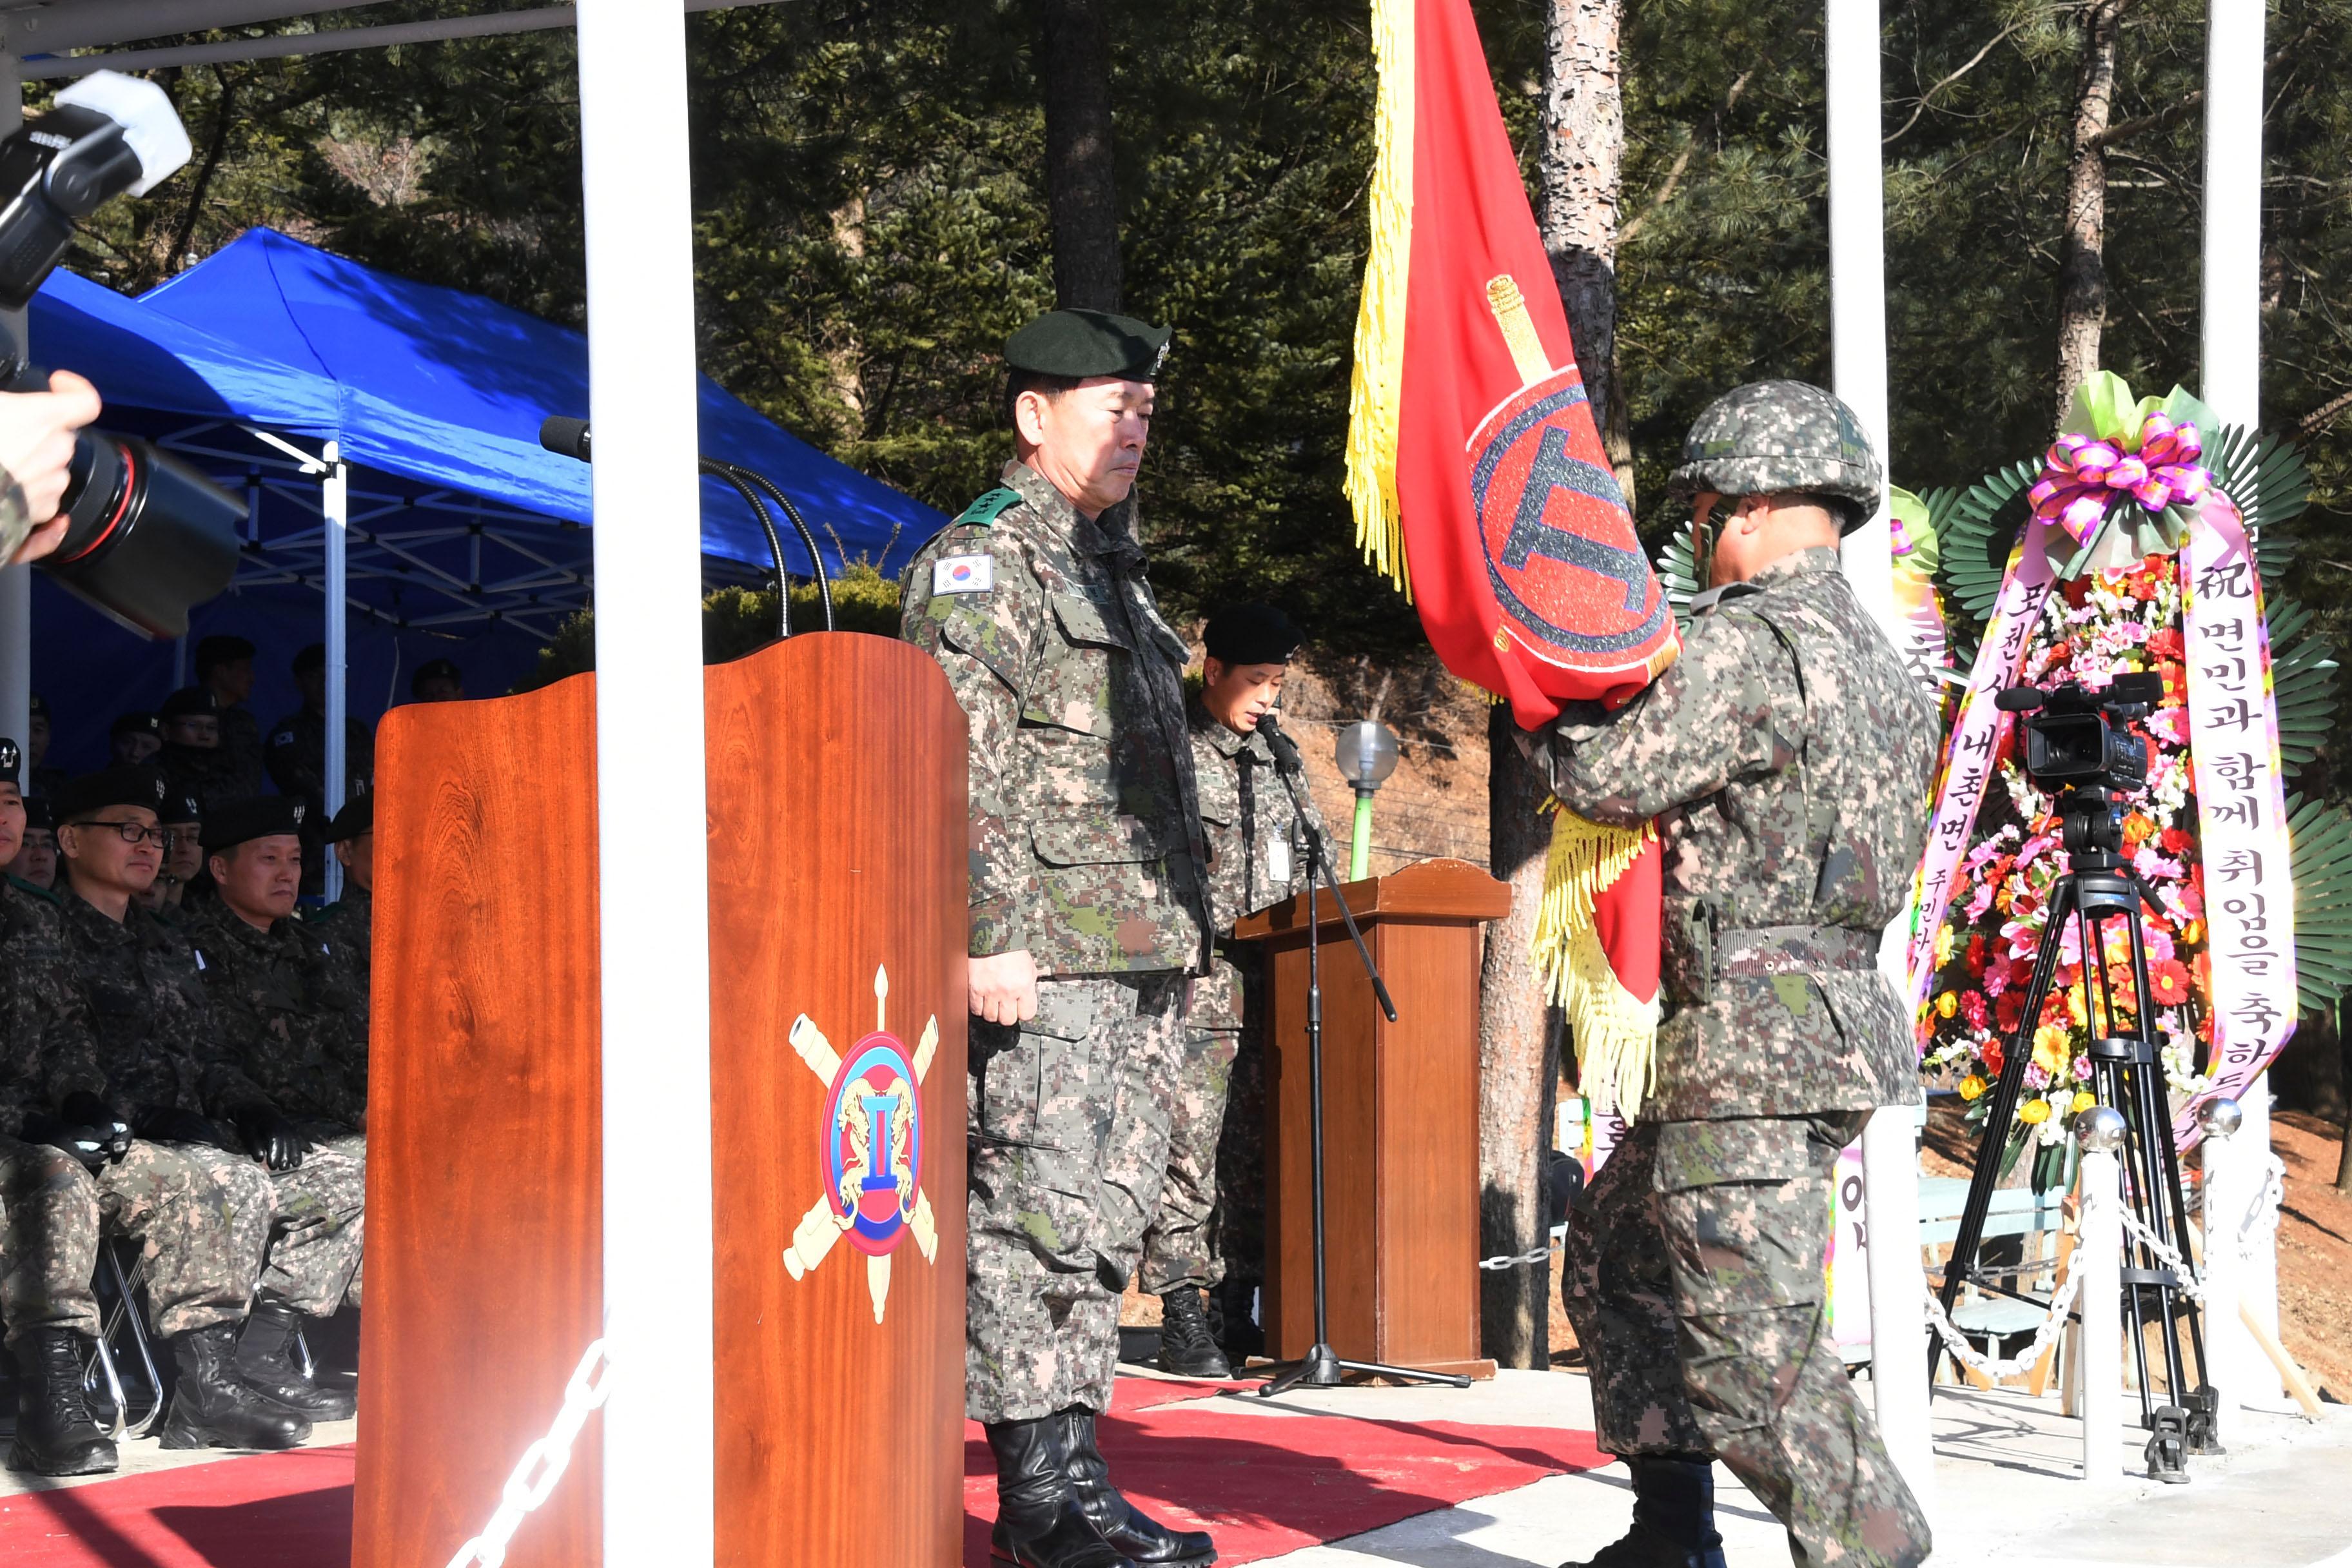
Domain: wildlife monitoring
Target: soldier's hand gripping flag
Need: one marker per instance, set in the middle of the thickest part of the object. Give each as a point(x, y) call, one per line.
point(1480, 486)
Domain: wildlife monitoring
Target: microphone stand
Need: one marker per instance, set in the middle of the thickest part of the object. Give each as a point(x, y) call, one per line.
point(1321, 1366)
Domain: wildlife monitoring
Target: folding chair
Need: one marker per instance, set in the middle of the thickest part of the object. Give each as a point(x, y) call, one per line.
point(1988, 1318)
point(122, 1320)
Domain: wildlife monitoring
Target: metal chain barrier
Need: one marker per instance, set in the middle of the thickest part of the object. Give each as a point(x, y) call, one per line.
point(542, 1464)
point(1524, 1260)
point(2191, 1284)
point(2062, 1306)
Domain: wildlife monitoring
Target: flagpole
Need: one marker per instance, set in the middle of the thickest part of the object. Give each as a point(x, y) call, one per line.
point(1890, 1166)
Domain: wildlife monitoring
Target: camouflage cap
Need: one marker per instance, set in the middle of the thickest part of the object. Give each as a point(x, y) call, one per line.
point(1772, 437)
point(1088, 342)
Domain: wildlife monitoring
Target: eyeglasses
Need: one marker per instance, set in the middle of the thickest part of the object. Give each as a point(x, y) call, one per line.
point(135, 832)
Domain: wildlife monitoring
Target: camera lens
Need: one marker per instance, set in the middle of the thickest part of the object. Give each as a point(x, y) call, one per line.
point(2063, 747)
point(147, 536)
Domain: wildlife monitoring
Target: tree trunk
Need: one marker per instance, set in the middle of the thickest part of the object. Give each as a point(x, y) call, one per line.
point(2082, 257)
point(1583, 173)
point(1517, 1062)
point(1081, 193)
point(2344, 1053)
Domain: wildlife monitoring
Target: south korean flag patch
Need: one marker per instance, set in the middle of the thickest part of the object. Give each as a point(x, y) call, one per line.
point(963, 574)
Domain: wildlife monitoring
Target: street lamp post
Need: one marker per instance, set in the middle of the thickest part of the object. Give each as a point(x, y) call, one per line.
point(1367, 752)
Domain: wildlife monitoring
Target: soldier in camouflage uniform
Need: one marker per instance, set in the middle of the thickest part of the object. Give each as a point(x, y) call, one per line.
point(1087, 919)
point(164, 1061)
point(224, 669)
point(1256, 858)
point(348, 925)
point(1786, 757)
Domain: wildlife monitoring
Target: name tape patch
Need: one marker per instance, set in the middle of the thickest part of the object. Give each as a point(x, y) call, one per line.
point(963, 574)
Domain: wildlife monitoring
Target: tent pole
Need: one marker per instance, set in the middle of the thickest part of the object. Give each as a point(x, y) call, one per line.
point(659, 1480)
point(2231, 316)
point(15, 582)
point(334, 507)
point(1858, 367)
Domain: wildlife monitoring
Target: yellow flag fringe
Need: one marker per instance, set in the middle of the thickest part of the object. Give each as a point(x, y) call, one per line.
point(1377, 381)
point(1616, 1033)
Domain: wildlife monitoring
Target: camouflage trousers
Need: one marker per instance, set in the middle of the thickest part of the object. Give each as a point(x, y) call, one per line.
point(1693, 1276)
point(48, 1244)
point(1068, 1136)
point(1180, 1246)
point(318, 1224)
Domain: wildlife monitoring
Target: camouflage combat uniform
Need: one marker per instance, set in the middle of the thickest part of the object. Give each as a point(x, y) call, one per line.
point(287, 1004)
point(1786, 757)
point(296, 756)
point(348, 927)
point(1085, 841)
point(199, 1214)
point(1258, 857)
point(160, 1049)
point(239, 767)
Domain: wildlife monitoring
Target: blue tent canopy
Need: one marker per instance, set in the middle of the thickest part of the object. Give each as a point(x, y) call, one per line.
point(467, 540)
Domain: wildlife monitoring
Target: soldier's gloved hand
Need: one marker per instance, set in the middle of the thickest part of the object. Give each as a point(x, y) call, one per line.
point(173, 1125)
point(269, 1137)
point(85, 1144)
point(86, 1109)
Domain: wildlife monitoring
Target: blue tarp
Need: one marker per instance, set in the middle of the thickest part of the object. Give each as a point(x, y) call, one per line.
point(467, 537)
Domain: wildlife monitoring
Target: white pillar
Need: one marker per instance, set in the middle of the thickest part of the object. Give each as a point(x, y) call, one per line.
point(658, 1476)
point(2099, 1263)
point(15, 582)
point(335, 509)
point(2248, 1157)
point(2229, 1350)
point(1898, 1332)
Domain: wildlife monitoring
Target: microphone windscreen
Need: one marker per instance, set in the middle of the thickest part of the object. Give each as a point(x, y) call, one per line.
point(564, 437)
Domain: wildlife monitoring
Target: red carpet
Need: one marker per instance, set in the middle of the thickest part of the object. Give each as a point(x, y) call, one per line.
point(1263, 1485)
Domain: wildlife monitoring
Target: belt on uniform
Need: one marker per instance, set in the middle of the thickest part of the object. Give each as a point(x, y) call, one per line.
point(1793, 949)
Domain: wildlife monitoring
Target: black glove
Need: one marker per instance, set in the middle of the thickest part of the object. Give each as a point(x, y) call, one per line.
point(269, 1137)
point(85, 1109)
point(87, 1144)
point(168, 1124)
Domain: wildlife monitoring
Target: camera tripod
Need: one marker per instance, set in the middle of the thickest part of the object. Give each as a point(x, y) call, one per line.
point(2098, 889)
point(1321, 1366)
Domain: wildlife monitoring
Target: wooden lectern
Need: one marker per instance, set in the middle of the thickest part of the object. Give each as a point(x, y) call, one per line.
point(1400, 1120)
point(836, 832)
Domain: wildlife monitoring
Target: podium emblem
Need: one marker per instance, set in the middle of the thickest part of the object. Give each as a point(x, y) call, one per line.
point(869, 1148)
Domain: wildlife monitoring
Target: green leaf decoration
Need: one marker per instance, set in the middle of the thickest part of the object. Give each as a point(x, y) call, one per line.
point(2322, 839)
point(2265, 476)
point(2302, 680)
point(2103, 406)
point(2183, 406)
point(1975, 530)
point(1917, 520)
point(1678, 572)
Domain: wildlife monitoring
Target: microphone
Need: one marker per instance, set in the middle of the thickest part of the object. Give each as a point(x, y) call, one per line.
point(2018, 699)
point(1286, 750)
point(564, 437)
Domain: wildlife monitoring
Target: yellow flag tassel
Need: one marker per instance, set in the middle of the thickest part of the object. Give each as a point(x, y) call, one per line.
point(1377, 382)
point(1616, 1032)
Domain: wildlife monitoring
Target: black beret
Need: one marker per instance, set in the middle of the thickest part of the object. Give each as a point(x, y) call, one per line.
point(136, 722)
point(433, 669)
point(94, 792)
point(312, 657)
point(37, 815)
point(1251, 634)
point(222, 650)
point(191, 702)
point(38, 709)
point(180, 806)
point(1088, 342)
point(357, 816)
point(11, 759)
point(259, 816)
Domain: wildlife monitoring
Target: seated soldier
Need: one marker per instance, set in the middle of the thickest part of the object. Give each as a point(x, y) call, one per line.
point(191, 758)
point(348, 924)
point(40, 778)
point(168, 1066)
point(34, 863)
point(224, 669)
point(135, 738)
point(183, 861)
point(297, 756)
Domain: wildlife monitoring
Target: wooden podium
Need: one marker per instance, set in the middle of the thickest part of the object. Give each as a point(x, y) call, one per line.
point(836, 832)
point(1400, 1120)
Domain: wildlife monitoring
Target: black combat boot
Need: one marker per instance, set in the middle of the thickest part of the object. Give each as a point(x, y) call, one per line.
point(1038, 1524)
point(56, 1435)
point(1186, 1346)
point(1673, 1517)
point(269, 1359)
point(1145, 1540)
point(213, 1407)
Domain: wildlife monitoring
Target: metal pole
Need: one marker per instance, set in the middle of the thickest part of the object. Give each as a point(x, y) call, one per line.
point(334, 507)
point(660, 1490)
point(15, 582)
point(1890, 1168)
point(2101, 1363)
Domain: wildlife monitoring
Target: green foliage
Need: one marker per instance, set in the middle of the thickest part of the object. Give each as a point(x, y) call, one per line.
point(737, 621)
point(2322, 836)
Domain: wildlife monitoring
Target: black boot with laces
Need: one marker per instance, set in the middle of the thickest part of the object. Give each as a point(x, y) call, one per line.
point(1186, 1346)
point(56, 1435)
point(269, 1359)
point(213, 1407)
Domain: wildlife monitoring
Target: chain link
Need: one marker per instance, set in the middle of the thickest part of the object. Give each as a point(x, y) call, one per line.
point(1525, 1259)
point(2189, 1282)
point(542, 1464)
point(2061, 1306)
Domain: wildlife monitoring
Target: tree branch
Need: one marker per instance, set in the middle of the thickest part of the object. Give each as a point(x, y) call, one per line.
point(2321, 417)
point(1673, 182)
point(2181, 106)
point(1920, 105)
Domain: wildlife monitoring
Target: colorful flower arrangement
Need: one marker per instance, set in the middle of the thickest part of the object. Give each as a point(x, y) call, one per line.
point(2095, 626)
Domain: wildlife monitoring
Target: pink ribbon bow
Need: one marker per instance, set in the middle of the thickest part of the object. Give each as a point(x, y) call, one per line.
point(2082, 476)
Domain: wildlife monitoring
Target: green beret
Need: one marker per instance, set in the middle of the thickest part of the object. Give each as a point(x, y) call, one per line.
point(93, 792)
point(357, 816)
point(1088, 342)
point(262, 817)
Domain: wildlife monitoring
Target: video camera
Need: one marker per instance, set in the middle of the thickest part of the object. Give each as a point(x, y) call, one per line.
point(2076, 747)
point(148, 537)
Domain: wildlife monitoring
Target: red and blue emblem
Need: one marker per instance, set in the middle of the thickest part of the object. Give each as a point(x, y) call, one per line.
point(873, 1143)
